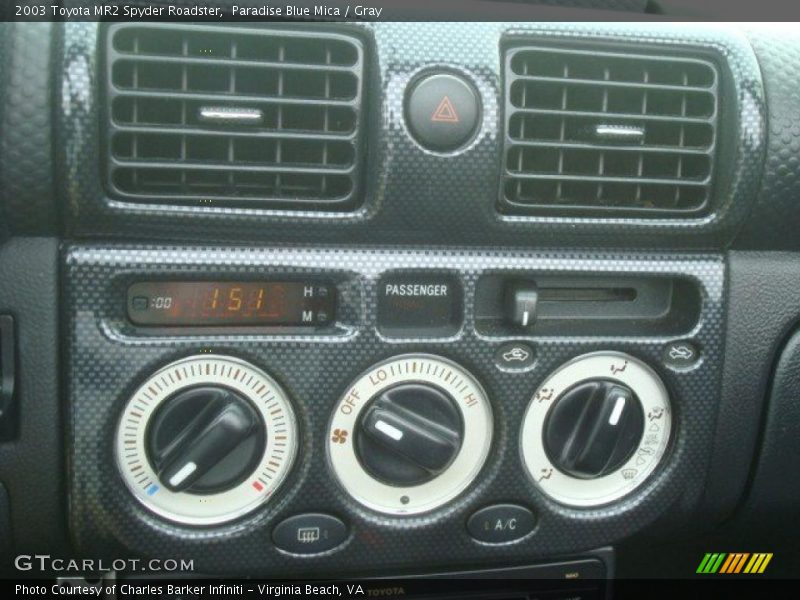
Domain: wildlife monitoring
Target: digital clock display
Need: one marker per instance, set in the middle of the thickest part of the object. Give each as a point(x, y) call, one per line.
point(212, 303)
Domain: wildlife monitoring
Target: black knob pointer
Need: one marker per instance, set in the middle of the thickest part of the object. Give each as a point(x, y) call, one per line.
point(593, 428)
point(409, 434)
point(205, 440)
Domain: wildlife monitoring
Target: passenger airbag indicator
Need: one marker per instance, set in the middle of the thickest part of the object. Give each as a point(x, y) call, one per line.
point(420, 305)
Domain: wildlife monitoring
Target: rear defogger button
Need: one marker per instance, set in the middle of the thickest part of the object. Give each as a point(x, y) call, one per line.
point(420, 305)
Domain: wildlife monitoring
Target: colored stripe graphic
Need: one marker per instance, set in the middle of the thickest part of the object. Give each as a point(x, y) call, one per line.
point(732, 558)
point(734, 562)
point(717, 564)
point(741, 562)
point(758, 563)
point(703, 563)
point(731, 562)
point(711, 562)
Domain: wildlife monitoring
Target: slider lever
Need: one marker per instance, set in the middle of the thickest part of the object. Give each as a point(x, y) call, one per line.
point(521, 299)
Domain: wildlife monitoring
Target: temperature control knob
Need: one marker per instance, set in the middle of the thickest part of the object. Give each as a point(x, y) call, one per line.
point(410, 434)
point(593, 428)
point(206, 439)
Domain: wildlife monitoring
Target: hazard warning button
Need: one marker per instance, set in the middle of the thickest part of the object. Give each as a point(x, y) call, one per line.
point(442, 111)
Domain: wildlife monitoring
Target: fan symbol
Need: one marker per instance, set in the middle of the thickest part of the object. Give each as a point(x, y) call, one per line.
point(339, 436)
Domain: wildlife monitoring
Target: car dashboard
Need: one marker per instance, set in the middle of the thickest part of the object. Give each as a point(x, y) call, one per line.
point(387, 299)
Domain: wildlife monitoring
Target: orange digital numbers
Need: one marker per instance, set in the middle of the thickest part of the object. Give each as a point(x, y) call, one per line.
point(260, 299)
point(235, 299)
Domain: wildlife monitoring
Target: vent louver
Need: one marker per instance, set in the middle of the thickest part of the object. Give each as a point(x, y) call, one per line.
point(234, 117)
point(591, 132)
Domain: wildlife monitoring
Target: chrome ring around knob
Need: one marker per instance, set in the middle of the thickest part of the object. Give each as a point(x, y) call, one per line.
point(251, 407)
point(463, 448)
point(568, 485)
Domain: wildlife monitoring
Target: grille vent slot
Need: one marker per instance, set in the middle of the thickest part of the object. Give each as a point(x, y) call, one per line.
point(206, 115)
point(592, 132)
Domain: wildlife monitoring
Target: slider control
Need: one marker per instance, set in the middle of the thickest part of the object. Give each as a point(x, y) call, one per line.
point(521, 299)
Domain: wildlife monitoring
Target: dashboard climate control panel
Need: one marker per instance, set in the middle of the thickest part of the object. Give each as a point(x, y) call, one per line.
point(422, 424)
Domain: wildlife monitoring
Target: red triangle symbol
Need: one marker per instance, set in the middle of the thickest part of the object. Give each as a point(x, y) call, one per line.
point(445, 112)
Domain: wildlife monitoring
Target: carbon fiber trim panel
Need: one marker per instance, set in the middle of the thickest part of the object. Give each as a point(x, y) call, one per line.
point(108, 358)
point(26, 153)
point(775, 219)
point(413, 196)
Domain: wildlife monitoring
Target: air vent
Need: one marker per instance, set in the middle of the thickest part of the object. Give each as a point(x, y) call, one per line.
point(234, 117)
point(592, 132)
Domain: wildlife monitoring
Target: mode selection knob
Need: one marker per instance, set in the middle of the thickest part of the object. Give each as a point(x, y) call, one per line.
point(409, 434)
point(596, 429)
point(593, 428)
point(206, 439)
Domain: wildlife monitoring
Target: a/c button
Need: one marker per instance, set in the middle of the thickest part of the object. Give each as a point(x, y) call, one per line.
point(442, 112)
point(501, 523)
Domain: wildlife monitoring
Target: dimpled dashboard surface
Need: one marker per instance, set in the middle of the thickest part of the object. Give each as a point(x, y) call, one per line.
point(419, 212)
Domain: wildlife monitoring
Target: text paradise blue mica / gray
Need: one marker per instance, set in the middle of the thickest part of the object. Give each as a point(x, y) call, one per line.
point(108, 358)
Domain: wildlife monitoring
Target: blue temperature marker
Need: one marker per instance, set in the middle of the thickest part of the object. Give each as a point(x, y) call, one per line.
point(151, 491)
